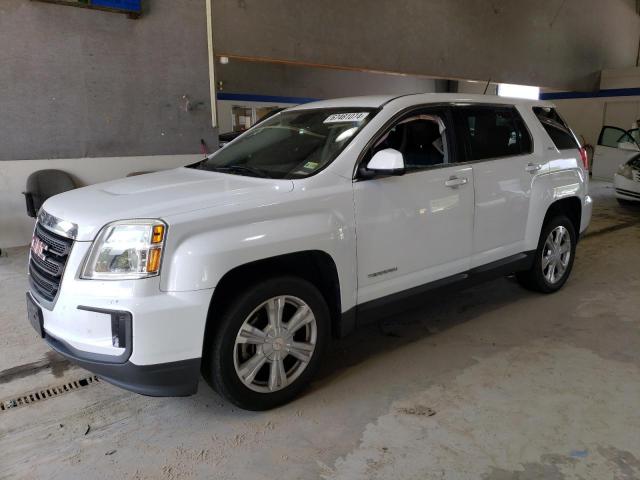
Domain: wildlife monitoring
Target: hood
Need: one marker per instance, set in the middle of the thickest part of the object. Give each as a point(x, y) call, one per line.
point(158, 195)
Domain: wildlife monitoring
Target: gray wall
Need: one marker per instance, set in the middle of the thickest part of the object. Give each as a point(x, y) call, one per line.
point(84, 83)
point(292, 80)
point(551, 43)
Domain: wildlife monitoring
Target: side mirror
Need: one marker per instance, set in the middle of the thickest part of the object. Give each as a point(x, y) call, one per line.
point(387, 162)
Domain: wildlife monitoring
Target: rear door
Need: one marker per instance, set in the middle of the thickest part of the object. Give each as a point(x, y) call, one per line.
point(498, 145)
point(615, 147)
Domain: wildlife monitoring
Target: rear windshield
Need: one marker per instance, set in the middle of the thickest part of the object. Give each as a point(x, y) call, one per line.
point(560, 133)
point(291, 144)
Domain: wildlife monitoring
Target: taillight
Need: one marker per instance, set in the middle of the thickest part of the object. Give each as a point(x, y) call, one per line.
point(585, 158)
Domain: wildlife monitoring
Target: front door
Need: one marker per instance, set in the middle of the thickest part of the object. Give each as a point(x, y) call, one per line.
point(415, 228)
point(615, 147)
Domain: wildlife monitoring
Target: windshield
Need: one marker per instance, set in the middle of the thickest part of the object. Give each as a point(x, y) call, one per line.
point(292, 144)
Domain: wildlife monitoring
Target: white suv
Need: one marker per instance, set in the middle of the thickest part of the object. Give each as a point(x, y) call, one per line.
point(327, 215)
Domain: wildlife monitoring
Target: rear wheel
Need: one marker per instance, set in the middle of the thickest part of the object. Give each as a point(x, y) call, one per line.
point(269, 343)
point(554, 257)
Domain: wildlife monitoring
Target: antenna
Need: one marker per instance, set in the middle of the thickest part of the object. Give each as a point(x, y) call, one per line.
point(486, 86)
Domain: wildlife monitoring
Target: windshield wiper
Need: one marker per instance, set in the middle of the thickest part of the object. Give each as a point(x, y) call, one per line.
point(241, 169)
point(197, 164)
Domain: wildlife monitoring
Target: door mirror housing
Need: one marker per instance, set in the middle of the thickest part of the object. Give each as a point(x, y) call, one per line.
point(387, 162)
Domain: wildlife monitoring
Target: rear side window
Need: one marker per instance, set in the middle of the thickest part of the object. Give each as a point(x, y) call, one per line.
point(557, 129)
point(492, 132)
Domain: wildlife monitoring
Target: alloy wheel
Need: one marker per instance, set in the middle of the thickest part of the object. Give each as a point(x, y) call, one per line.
point(556, 254)
point(275, 344)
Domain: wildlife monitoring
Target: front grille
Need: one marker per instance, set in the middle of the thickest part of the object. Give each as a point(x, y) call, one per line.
point(636, 175)
point(45, 274)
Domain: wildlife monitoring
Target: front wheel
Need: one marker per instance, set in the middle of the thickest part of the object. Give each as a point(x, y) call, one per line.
point(553, 258)
point(269, 343)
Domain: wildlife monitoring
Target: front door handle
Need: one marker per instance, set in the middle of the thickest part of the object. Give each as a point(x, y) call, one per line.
point(532, 167)
point(455, 182)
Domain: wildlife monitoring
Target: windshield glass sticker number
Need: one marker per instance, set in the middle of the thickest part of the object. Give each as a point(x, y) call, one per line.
point(346, 117)
point(311, 165)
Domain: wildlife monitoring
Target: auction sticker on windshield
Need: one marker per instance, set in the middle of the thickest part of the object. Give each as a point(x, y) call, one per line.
point(346, 117)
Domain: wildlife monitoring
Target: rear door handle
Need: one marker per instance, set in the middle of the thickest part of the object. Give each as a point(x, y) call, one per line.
point(455, 182)
point(532, 167)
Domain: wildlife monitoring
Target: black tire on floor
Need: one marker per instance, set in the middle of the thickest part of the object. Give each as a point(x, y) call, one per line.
point(219, 369)
point(534, 279)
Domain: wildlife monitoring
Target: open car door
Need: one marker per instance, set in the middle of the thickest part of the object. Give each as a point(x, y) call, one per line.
point(615, 147)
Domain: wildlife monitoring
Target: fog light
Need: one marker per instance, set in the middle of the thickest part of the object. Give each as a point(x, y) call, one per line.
point(119, 322)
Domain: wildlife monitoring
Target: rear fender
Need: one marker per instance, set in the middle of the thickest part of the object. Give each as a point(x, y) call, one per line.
point(565, 180)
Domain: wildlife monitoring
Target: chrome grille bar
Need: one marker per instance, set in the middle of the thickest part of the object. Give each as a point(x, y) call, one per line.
point(47, 263)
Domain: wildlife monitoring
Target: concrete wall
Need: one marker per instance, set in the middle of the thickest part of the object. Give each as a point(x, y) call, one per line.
point(584, 116)
point(300, 81)
point(84, 83)
point(620, 78)
point(477, 87)
point(552, 43)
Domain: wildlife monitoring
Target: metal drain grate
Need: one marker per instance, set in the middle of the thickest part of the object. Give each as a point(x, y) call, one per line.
point(46, 393)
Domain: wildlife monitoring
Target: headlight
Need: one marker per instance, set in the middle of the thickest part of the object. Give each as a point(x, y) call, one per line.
point(126, 249)
point(625, 171)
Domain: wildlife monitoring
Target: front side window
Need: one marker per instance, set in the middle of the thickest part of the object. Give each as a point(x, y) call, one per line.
point(292, 144)
point(420, 137)
point(613, 136)
point(560, 133)
point(493, 132)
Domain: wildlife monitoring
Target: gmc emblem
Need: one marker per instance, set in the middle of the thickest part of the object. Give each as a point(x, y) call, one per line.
point(38, 247)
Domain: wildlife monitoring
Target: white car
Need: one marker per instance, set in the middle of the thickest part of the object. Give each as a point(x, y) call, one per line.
point(327, 215)
point(627, 181)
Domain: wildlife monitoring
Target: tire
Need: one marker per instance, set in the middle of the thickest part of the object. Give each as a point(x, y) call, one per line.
point(276, 376)
point(538, 277)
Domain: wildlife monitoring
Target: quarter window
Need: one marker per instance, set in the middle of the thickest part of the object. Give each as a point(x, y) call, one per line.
point(560, 133)
point(493, 132)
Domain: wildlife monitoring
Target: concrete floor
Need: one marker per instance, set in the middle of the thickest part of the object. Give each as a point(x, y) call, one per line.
point(493, 383)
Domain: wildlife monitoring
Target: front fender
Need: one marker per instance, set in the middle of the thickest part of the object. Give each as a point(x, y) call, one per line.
point(200, 251)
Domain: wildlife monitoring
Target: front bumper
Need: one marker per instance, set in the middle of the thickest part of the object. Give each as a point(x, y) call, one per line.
point(161, 337)
point(626, 189)
point(172, 379)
